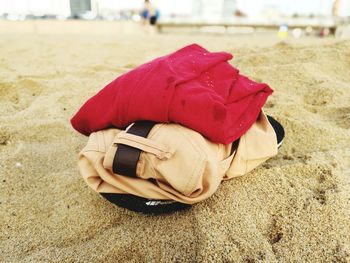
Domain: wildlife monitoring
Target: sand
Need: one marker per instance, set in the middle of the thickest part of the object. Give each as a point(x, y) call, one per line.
point(294, 208)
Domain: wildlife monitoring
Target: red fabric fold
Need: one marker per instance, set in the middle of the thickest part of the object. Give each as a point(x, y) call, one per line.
point(193, 87)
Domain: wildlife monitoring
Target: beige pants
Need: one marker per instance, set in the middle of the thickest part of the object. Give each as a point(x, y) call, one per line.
point(185, 166)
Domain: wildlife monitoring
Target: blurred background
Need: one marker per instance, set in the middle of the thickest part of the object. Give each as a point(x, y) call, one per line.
point(293, 18)
point(187, 9)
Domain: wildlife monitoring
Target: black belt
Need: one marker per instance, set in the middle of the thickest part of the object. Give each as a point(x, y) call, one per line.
point(126, 158)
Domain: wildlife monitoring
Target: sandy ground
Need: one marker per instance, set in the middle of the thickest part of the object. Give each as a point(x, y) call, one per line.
point(294, 208)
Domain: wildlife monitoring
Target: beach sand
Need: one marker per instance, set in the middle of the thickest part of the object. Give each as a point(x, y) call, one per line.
point(294, 208)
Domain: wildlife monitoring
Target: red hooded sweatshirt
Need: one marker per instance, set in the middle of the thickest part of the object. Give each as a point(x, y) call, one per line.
point(193, 87)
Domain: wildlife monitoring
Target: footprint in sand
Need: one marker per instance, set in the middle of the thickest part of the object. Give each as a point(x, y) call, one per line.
point(17, 96)
point(5, 137)
point(340, 116)
point(276, 232)
point(326, 93)
point(319, 97)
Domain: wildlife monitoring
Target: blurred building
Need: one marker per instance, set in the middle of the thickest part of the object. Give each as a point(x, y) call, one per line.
point(80, 6)
point(221, 9)
point(87, 9)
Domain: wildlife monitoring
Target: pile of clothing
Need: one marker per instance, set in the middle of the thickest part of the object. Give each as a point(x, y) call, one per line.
point(164, 135)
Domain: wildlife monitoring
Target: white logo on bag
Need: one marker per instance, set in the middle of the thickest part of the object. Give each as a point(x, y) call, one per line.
point(153, 203)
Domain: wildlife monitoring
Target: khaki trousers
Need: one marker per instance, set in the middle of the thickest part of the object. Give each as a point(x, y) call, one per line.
point(176, 163)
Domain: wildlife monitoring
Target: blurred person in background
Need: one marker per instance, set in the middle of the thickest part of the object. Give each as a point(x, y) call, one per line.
point(149, 13)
